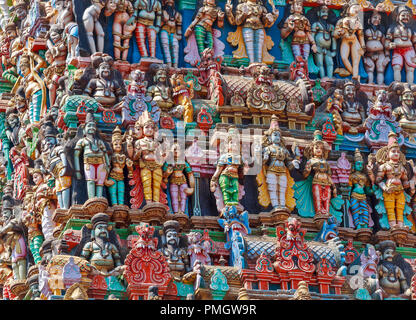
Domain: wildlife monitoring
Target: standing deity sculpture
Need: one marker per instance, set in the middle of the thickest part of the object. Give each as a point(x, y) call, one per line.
point(182, 93)
point(315, 195)
point(401, 39)
point(161, 91)
point(200, 33)
point(323, 33)
point(147, 150)
point(96, 161)
point(170, 33)
point(392, 279)
point(392, 178)
point(173, 249)
point(99, 245)
point(251, 19)
point(360, 186)
point(177, 173)
point(377, 55)
point(299, 27)
point(12, 235)
point(118, 160)
point(274, 180)
point(122, 30)
point(350, 30)
point(148, 17)
point(229, 175)
point(92, 24)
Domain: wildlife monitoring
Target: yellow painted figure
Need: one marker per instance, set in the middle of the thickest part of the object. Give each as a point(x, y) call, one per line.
point(392, 179)
point(147, 151)
point(182, 94)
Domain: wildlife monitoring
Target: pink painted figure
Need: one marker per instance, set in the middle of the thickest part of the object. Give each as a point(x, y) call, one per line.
point(178, 172)
point(343, 168)
point(401, 38)
point(197, 249)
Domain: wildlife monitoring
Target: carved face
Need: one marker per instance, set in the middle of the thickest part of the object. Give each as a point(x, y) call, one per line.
point(172, 237)
point(161, 75)
point(349, 91)
point(7, 214)
point(48, 57)
point(318, 150)
point(408, 98)
point(104, 71)
point(375, 19)
point(369, 261)
point(210, 2)
point(11, 33)
point(404, 16)
point(21, 12)
point(323, 12)
point(13, 120)
point(358, 165)
point(117, 146)
point(148, 129)
point(101, 231)
point(354, 10)
point(55, 36)
point(37, 178)
point(275, 137)
point(297, 7)
point(90, 127)
point(25, 69)
point(394, 153)
point(388, 254)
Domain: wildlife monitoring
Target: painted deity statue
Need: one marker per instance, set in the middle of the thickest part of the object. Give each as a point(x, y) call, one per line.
point(12, 235)
point(176, 256)
point(96, 161)
point(32, 220)
point(392, 178)
point(147, 151)
point(299, 26)
point(177, 174)
point(377, 55)
point(161, 91)
point(201, 28)
point(350, 30)
point(122, 31)
point(392, 280)
point(323, 32)
point(99, 246)
point(251, 19)
point(92, 24)
point(56, 161)
point(360, 184)
point(353, 112)
point(170, 33)
point(104, 88)
point(182, 93)
point(274, 180)
point(401, 38)
point(118, 161)
point(229, 171)
point(405, 114)
point(58, 51)
point(149, 18)
point(35, 90)
point(318, 167)
point(137, 100)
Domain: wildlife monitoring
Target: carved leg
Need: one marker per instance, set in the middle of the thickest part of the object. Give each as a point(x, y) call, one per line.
point(319, 61)
point(174, 195)
point(258, 43)
point(369, 68)
point(48, 225)
point(248, 36)
point(117, 33)
point(355, 212)
point(345, 54)
point(305, 49)
point(400, 204)
point(271, 180)
point(151, 38)
point(157, 179)
point(381, 65)
point(175, 51)
point(164, 40)
point(101, 175)
point(35, 245)
point(113, 192)
point(355, 58)
point(183, 197)
point(409, 74)
point(141, 39)
point(389, 204)
point(120, 191)
point(200, 36)
point(146, 176)
point(282, 190)
point(90, 176)
point(89, 28)
point(329, 61)
point(100, 36)
point(127, 33)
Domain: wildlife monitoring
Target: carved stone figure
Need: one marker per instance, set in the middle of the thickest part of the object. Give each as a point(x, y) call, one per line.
point(251, 19)
point(99, 245)
point(299, 27)
point(400, 38)
point(170, 33)
point(96, 161)
point(92, 24)
point(350, 30)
